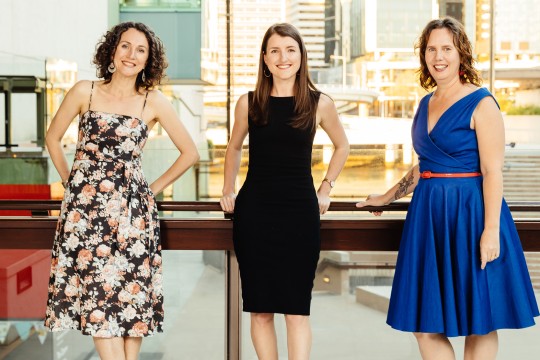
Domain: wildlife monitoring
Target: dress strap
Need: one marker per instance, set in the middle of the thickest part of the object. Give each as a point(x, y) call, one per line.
point(144, 104)
point(91, 91)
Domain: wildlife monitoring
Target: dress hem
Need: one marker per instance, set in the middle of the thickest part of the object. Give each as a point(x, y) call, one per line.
point(503, 327)
point(154, 332)
point(284, 312)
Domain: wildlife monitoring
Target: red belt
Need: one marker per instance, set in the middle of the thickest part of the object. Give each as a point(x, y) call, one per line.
point(429, 175)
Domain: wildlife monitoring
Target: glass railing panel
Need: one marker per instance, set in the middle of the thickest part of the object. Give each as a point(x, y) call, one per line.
point(521, 174)
point(348, 315)
point(194, 288)
point(194, 301)
point(370, 169)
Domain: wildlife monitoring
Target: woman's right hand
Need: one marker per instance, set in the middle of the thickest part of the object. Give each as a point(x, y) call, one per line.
point(227, 202)
point(373, 200)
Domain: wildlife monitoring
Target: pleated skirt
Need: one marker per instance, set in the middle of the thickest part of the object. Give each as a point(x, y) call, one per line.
point(439, 286)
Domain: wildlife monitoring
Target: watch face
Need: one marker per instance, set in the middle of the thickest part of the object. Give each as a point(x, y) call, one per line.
point(332, 183)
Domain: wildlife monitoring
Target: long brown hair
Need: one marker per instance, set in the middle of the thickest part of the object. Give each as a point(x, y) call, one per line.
point(467, 72)
point(305, 92)
point(156, 64)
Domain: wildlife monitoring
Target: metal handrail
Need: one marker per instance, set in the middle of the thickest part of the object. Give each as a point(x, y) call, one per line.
point(524, 206)
point(204, 233)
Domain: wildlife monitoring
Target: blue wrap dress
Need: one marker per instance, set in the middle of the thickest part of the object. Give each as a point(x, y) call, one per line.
point(439, 286)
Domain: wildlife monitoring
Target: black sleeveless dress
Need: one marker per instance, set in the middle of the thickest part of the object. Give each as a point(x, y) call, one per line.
point(276, 217)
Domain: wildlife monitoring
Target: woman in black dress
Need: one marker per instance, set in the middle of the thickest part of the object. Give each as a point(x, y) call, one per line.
point(276, 213)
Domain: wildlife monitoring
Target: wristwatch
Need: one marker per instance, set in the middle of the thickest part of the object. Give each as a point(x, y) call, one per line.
point(332, 183)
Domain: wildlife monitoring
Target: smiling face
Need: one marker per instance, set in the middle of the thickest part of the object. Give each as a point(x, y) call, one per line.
point(282, 56)
point(442, 56)
point(131, 53)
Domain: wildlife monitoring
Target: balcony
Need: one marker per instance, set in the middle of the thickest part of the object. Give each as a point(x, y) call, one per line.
point(202, 299)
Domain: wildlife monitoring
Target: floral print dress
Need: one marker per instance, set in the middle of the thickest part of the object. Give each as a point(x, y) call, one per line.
point(106, 274)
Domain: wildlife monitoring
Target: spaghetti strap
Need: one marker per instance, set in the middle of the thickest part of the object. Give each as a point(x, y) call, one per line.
point(91, 91)
point(144, 104)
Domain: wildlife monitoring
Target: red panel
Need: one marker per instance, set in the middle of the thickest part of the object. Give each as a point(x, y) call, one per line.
point(24, 278)
point(23, 192)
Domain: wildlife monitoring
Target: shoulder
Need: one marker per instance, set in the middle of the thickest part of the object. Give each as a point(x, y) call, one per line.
point(487, 96)
point(326, 109)
point(487, 103)
point(157, 105)
point(487, 108)
point(155, 97)
point(426, 98)
point(154, 94)
point(83, 87)
point(486, 100)
point(422, 104)
point(243, 101)
point(79, 95)
point(326, 104)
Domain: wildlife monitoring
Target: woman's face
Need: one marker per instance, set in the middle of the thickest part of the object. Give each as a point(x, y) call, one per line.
point(442, 56)
point(131, 53)
point(282, 56)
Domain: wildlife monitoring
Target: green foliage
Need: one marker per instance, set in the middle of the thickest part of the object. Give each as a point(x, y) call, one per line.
point(505, 104)
point(523, 110)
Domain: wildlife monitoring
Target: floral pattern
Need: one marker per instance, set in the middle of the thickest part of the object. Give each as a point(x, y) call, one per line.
point(106, 273)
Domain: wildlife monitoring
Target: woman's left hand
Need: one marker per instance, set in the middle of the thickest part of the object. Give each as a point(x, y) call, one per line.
point(324, 202)
point(489, 246)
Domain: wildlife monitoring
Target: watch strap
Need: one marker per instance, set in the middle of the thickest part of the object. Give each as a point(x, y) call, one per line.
point(330, 182)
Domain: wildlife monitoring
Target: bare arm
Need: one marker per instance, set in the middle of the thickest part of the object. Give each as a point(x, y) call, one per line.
point(404, 187)
point(165, 114)
point(488, 123)
point(329, 121)
point(74, 103)
point(234, 153)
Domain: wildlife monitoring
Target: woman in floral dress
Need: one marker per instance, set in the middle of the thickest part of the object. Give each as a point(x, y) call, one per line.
point(106, 276)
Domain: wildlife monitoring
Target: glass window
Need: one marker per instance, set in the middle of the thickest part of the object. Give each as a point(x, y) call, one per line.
point(360, 53)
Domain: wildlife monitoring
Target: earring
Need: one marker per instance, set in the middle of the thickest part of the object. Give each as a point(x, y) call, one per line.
point(111, 68)
point(264, 72)
point(143, 77)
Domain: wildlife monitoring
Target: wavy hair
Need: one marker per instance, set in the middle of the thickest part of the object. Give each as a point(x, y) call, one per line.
point(305, 93)
point(156, 64)
point(466, 68)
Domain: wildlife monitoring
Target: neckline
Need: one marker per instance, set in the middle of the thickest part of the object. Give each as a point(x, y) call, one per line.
point(444, 112)
point(282, 97)
point(141, 121)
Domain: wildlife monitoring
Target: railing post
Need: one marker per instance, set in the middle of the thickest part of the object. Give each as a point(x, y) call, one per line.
point(233, 319)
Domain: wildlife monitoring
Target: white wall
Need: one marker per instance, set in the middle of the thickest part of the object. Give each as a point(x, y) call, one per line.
point(528, 97)
point(34, 30)
point(65, 29)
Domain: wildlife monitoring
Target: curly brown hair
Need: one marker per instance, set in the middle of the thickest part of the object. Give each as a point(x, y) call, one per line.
point(156, 64)
point(467, 72)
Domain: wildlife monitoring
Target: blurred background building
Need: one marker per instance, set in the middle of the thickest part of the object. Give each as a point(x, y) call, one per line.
point(361, 53)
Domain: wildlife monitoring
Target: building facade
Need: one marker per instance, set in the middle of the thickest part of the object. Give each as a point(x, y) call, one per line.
point(309, 17)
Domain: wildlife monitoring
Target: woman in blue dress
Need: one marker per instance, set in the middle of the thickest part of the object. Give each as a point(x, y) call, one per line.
point(461, 269)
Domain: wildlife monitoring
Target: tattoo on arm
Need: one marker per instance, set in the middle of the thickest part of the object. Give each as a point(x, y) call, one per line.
point(404, 185)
